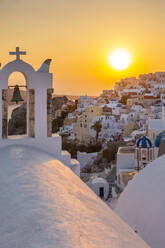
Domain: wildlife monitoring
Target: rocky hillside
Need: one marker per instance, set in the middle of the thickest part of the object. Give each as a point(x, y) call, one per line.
point(17, 123)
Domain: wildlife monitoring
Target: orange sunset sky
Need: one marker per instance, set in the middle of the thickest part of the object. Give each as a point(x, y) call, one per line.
point(79, 35)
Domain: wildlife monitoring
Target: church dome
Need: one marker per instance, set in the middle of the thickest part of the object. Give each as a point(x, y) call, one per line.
point(119, 105)
point(144, 142)
point(44, 204)
point(142, 202)
point(159, 138)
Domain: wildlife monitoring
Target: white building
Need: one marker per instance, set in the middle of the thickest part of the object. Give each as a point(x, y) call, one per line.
point(84, 102)
point(110, 127)
point(136, 108)
point(115, 106)
point(124, 119)
point(100, 186)
point(130, 160)
point(112, 103)
point(125, 163)
point(154, 127)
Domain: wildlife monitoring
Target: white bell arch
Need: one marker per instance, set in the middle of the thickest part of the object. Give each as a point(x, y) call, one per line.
point(39, 87)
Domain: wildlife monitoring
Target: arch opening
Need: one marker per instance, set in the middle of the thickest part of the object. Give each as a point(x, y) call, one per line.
point(16, 110)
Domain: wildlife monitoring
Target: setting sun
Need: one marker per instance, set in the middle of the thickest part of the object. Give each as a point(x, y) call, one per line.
point(120, 59)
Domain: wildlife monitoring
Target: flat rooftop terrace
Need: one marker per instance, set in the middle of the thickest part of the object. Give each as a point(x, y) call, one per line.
point(127, 149)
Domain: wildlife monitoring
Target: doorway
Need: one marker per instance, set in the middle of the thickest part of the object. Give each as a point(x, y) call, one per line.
point(101, 192)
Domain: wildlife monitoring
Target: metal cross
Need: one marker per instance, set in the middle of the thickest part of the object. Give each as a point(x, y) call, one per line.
point(17, 53)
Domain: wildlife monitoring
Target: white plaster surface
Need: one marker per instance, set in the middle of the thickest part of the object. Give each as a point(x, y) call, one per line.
point(43, 204)
point(51, 145)
point(142, 203)
point(125, 161)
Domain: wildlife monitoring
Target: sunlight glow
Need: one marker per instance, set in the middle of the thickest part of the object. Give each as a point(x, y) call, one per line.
point(120, 59)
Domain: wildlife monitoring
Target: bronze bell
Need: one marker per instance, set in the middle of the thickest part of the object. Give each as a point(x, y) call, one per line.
point(16, 95)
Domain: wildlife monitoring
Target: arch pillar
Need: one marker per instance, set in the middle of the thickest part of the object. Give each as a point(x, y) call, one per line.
point(4, 115)
point(49, 112)
point(31, 114)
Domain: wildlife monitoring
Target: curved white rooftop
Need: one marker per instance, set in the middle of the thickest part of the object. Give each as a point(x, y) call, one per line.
point(43, 204)
point(99, 180)
point(142, 203)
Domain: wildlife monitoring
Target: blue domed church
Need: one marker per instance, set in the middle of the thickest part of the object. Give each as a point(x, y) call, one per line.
point(144, 152)
point(131, 159)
